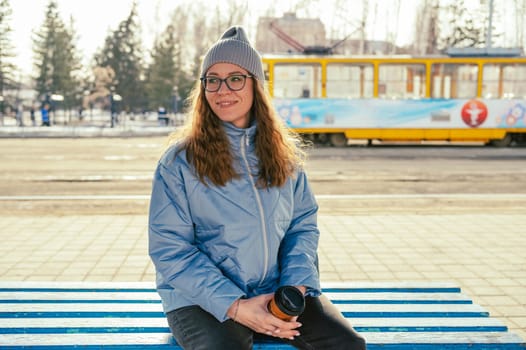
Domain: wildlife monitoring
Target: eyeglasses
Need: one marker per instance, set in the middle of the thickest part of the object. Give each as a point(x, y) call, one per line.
point(234, 82)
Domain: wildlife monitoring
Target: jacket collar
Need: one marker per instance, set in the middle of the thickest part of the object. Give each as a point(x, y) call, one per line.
point(237, 135)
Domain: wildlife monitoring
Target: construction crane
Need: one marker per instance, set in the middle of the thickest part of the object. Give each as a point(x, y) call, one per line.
point(316, 49)
point(308, 50)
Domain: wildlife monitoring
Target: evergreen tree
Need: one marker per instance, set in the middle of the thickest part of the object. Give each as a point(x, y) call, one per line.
point(160, 76)
point(55, 58)
point(123, 53)
point(187, 69)
point(7, 68)
point(72, 81)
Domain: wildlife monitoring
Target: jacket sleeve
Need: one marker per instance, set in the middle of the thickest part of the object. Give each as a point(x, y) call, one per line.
point(298, 250)
point(174, 253)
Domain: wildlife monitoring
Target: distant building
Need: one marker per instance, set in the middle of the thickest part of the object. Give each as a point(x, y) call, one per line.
point(289, 34)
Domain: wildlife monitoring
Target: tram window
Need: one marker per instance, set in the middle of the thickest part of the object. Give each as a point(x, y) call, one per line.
point(492, 81)
point(349, 80)
point(454, 80)
point(504, 81)
point(402, 81)
point(297, 80)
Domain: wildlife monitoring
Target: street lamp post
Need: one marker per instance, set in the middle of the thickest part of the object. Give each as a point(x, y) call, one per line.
point(175, 99)
point(112, 122)
point(55, 100)
point(490, 24)
point(1, 110)
point(114, 98)
point(86, 102)
point(175, 105)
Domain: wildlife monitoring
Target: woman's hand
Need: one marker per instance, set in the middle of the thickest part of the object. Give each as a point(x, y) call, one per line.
point(302, 289)
point(254, 314)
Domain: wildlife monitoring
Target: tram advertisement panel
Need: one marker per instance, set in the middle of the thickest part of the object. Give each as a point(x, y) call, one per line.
point(418, 113)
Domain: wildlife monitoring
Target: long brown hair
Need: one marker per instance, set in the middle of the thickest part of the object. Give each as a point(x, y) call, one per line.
point(279, 149)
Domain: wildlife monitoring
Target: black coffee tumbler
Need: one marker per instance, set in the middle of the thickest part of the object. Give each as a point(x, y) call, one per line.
point(287, 303)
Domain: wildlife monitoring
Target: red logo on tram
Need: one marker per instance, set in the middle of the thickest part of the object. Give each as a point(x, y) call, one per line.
point(474, 113)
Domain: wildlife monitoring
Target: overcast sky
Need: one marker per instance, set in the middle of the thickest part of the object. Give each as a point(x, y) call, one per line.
point(94, 19)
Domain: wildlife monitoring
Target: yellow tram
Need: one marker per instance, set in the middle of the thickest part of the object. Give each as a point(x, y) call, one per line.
point(334, 99)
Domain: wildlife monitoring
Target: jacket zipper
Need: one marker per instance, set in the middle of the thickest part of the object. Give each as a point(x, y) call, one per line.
point(244, 144)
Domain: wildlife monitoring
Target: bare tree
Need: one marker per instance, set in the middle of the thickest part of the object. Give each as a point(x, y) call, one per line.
point(339, 24)
point(363, 24)
point(226, 14)
point(427, 28)
point(462, 28)
point(392, 33)
point(519, 10)
point(197, 26)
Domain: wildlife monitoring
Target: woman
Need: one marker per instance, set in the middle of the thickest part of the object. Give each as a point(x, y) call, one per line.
point(232, 217)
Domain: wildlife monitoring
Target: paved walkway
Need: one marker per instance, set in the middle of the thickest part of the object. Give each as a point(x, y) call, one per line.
point(484, 254)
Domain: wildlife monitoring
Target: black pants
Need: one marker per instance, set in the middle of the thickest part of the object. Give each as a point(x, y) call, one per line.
point(323, 328)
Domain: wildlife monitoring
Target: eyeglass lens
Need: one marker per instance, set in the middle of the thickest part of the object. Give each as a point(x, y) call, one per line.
point(233, 82)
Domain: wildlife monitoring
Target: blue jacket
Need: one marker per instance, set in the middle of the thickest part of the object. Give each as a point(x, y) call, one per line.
point(212, 245)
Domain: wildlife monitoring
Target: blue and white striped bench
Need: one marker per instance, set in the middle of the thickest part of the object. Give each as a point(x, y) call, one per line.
point(55, 315)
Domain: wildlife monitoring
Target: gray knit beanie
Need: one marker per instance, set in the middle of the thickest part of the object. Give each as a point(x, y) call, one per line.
point(234, 47)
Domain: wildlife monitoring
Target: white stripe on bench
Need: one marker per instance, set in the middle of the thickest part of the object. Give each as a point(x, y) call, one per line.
point(115, 316)
point(484, 323)
point(148, 296)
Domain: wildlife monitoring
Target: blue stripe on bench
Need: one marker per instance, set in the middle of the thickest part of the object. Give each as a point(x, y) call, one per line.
point(114, 316)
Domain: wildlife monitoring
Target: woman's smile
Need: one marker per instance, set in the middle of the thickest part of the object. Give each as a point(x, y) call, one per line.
point(229, 105)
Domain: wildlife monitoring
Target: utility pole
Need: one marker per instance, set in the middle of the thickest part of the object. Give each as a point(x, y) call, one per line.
point(490, 25)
